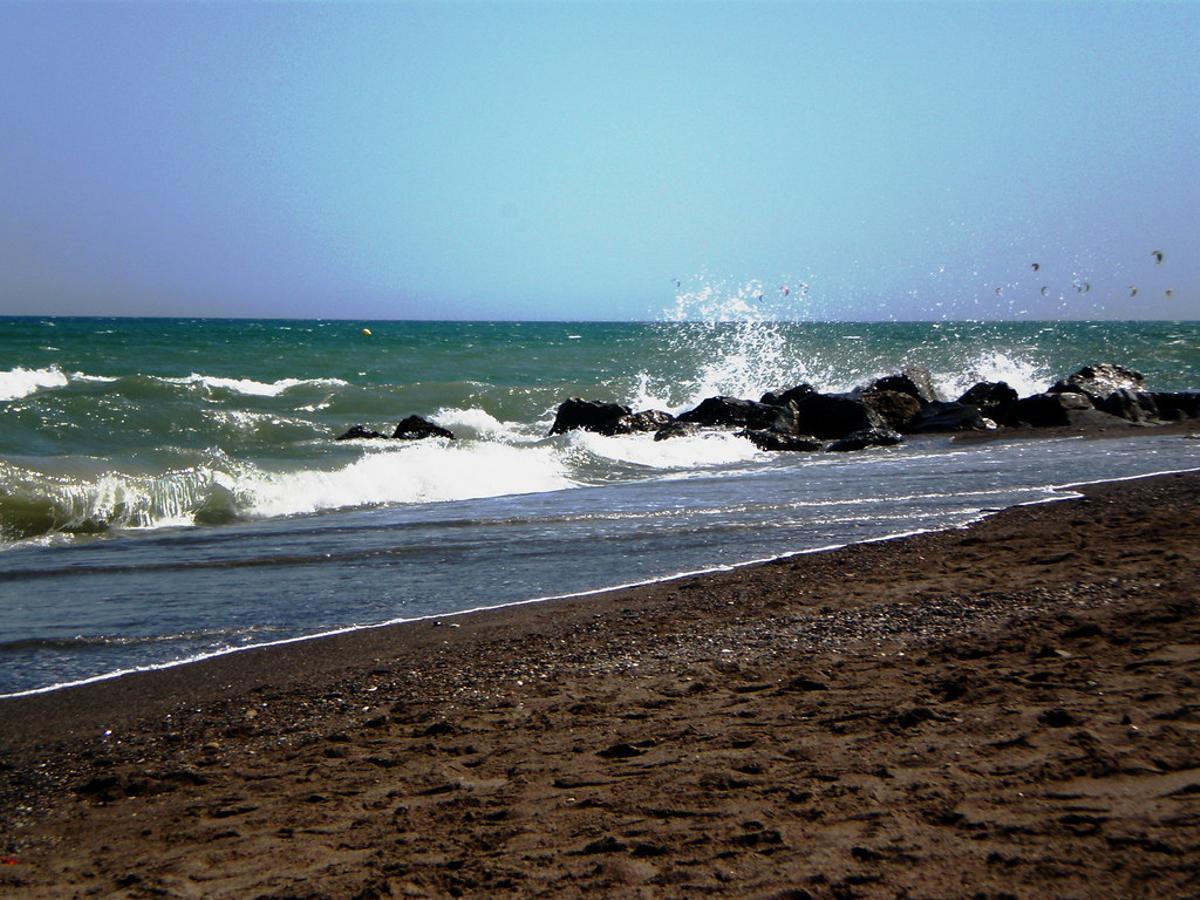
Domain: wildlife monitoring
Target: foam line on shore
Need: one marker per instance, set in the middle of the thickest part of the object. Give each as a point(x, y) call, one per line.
point(1055, 493)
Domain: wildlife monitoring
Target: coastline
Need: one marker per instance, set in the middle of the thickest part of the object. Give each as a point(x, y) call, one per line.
point(727, 731)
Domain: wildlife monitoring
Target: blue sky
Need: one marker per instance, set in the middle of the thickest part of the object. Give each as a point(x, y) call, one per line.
point(571, 161)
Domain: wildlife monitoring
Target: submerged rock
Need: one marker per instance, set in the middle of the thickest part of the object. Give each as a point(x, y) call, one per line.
point(676, 429)
point(867, 437)
point(648, 420)
point(765, 439)
point(415, 428)
point(358, 432)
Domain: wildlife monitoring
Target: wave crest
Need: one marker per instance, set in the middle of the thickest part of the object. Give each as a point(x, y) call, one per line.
point(19, 382)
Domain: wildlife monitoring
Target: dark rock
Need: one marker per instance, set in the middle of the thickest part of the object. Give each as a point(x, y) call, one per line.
point(800, 683)
point(896, 408)
point(765, 439)
point(994, 398)
point(1058, 718)
point(591, 415)
point(358, 432)
point(1046, 410)
point(795, 394)
point(730, 411)
point(867, 437)
point(414, 428)
point(941, 415)
point(1098, 381)
point(830, 416)
point(648, 420)
point(911, 718)
point(676, 429)
point(607, 844)
point(1173, 406)
point(1136, 406)
point(913, 380)
point(620, 751)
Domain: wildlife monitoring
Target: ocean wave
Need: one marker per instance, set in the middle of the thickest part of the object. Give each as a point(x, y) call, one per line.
point(19, 382)
point(686, 452)
point(34, 504)
point(250, 386)
point(478, 423)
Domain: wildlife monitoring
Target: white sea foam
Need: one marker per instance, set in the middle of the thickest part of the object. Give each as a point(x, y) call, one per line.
point(1022, 375)
point(250, 386)
point(692, 451)
point(424, 472)
point(478, 423)
point(429, 471)
point(17, 383)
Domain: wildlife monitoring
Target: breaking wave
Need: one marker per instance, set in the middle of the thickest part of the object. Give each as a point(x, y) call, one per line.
point(17, 383)
point(251, 387)
point(225, 490)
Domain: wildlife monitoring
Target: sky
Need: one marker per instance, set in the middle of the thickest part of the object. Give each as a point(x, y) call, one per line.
point(578, 160)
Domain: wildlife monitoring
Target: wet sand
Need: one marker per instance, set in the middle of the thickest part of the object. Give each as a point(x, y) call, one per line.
point(1007, 710)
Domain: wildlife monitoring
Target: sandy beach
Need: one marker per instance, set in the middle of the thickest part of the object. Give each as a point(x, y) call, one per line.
point(1011, 709)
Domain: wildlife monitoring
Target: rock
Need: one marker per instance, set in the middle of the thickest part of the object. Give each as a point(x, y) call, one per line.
point(765, 439)
point(1173, 406)
point(1058, 718)
point(414, 428)
point(831, 416)
point(1046, 410)
point(942, 415)
point(590, 415)
point(730, 411)
point(608, 844)
point(648, 420)
point(358, 432)
point(1136, 406)
point(994, 398)
point(913, 380)
point(895, 408)
point(796, 394)
point(676, 429)
point(1098, 381)
point(620, 751)
point(867, 437)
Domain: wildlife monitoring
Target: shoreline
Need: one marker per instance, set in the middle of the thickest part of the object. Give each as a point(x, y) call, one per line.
point(1087, 432)
point(639, 702)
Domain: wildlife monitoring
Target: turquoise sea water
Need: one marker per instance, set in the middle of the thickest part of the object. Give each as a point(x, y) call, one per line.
point(171, 487)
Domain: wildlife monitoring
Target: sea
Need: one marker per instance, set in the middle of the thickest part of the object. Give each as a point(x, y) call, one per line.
point(171, 489)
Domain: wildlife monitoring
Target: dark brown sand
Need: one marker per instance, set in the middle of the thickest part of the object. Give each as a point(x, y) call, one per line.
point(1009, 710)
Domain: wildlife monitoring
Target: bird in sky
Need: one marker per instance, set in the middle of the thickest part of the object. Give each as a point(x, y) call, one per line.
point(1035, 266)
point(1133, 290)
point(1158, 256)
